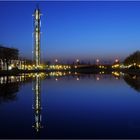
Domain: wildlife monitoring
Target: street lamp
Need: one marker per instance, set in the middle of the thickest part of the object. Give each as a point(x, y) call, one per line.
point(116, 60)
point(97, 61)
point(56, 60)
point(77, 60)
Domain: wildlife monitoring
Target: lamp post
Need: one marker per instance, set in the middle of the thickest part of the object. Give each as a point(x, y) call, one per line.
point(77, 61)
point(97, 61)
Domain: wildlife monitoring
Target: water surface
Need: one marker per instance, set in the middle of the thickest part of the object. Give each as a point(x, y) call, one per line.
point(61, 105)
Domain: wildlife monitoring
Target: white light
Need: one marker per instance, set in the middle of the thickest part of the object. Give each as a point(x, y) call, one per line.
point(97, 60)
point(10, 68)
point(56, 60)
point(77, 79)
point(77, 60)
point(116, 60)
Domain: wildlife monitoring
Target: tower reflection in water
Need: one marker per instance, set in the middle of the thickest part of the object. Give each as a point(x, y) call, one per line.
point(37, 103)
point(11, 85)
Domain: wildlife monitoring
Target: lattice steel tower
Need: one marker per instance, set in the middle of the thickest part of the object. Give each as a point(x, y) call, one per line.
point(37, 26)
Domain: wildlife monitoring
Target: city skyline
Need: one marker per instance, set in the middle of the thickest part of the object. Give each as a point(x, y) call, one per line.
point(70, 30)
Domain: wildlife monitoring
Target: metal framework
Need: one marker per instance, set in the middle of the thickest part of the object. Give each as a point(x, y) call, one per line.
point(37, 20)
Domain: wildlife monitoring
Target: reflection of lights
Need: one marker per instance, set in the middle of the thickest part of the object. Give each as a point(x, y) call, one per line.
point(1, 80)
point(97, 78)
point(122, 74)
point(37, 103)
point(101, 72)
point(134, 77)
point(77, 79)
point(56, 79)
point(116, 74)
point(75, 73)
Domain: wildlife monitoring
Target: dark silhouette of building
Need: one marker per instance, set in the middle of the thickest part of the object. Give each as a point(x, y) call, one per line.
point(8, 56)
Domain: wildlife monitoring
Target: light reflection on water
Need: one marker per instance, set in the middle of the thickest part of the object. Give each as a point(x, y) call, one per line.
point(70, 105)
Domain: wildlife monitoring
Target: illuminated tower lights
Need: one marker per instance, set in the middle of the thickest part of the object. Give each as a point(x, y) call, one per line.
point(37, 25)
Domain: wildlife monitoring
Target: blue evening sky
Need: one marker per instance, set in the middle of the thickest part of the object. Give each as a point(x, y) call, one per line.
point(70, 30)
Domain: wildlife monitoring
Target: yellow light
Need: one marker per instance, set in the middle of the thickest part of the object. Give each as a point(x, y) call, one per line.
point(116, 74)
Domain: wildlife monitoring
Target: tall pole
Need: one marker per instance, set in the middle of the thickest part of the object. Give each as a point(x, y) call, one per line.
point(37, 15)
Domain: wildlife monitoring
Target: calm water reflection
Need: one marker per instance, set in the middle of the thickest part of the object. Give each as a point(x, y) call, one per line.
point(65, 105)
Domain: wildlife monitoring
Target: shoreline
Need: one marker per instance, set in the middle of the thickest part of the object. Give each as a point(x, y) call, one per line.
point(82, 71)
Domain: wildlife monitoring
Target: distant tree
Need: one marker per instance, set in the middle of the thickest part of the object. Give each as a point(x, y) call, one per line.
point(48, 63)
point(8, 91)
point(133, 81)
point(28, 61)
point(133, 58)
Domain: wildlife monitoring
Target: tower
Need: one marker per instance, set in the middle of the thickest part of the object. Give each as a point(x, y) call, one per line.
point(37, 28)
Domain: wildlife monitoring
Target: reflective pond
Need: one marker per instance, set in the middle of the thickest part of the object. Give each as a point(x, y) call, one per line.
point(65, 105)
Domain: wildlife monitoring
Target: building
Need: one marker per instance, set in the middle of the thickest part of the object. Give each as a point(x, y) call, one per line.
point(8, 56)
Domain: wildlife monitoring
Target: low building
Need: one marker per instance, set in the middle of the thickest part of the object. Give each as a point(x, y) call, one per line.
point(8, 57)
